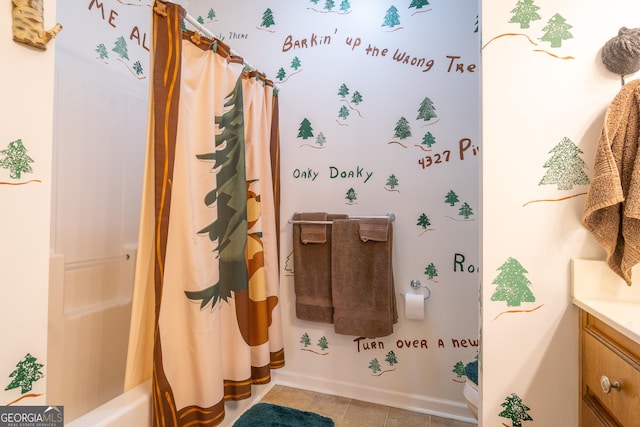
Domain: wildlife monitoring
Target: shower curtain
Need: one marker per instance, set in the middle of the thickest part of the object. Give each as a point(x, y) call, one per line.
point(206, 296)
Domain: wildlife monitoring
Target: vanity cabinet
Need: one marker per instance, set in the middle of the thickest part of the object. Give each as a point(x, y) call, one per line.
point(609, 375)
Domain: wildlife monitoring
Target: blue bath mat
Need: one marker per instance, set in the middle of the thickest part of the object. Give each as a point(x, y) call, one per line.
point(269, 415)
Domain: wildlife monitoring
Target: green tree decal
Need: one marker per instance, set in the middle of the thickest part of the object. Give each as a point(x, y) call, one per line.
point(211, 14)
point(392, 181)
point(305, 130)
point(356, 98)
point(343, 91)
point(329, 4)
point(524, 12)
point(512, 285)
point(565, 167)
point(121, 48)
point(374, 365)
point(402, 129)
point(428, 139)
point(137, 67)
point(418, 3)
point(423, 221)
point(391, 358)
point(101, 49)
point(267, 18)
point(315, 1)
point(351, 195)
point(556, 30)
point(345, 5)
point(431, 271)
point(391, 18)
point(458, 369)
point(343, 113)
point(323, 343)
point(321, 139)
point(451, 198)
point(26, 373)
point(295, 63)
point(427, 110)
point(281, 74)
point(16, 159)
point(305, 340)
point(230, 228)
point(515, 410)
point(465, 210)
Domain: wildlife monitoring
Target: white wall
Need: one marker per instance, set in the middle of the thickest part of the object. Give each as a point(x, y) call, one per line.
point(326, 43)
point(27, 113)
point(532, 99)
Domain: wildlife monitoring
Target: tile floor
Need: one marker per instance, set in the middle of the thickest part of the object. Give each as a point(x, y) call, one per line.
point(354, 413)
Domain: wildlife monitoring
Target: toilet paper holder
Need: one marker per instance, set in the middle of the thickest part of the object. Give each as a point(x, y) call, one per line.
point(416, 287)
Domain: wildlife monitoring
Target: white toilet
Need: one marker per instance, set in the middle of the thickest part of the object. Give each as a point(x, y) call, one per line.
point(470, 393)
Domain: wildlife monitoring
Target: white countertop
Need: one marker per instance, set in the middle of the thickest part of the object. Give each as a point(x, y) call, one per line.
point(599, 291)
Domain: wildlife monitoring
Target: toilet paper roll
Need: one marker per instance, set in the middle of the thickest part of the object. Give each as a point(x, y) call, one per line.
point(414, 306)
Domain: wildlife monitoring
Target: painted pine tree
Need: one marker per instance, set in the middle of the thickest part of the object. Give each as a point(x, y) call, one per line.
point(465, 210)
point(524, 12)
point(556, 30)
point(565, 167)
point(512, 284)
point(16, 159)
point(431, 271)
point(26, 373)
point(515, 410)
point(305, 130)
point(458, 369)
point(374, 365)
point(402, 129)
point(351, 195)
point(428, 139)
point(356, 98)
point(101, 49)
point(120, 48)
point(418, 3)
point(329, 4)
point(211, 14)
point(323, 343)
point(392, 181)
point(343, 91)
point(451, 198)
point(391, 358)
point(423, 221)
point(391, 18)
point(305, 340)
point(345, 5)
point(321, 139)
point(295, 63)
point(427, 110)
point(267, 18)
point(281, 74)
point(343, 113)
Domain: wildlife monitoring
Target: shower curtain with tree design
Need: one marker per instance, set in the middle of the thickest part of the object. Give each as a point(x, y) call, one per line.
point(207, 272)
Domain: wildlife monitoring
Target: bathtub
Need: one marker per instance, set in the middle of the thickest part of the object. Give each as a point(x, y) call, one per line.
point(133, 409)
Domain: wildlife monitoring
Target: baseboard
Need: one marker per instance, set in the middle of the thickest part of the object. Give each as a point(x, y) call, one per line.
point(417, 403)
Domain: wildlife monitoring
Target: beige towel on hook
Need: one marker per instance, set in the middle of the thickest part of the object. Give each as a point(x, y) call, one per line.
point(612, 208)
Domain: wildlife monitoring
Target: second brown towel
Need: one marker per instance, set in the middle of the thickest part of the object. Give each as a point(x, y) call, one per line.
point(362, 286)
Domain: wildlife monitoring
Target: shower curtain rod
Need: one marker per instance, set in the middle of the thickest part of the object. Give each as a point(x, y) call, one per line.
point(390, 216)
point(201, 28)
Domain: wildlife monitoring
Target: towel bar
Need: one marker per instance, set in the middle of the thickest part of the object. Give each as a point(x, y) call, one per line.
point(391, 217)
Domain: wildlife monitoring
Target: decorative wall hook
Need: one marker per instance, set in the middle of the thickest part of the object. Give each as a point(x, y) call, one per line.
point(621, 54)
point(28, 24)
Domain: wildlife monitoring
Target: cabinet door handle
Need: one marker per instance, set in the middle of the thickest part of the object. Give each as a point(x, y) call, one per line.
point(607, 385)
